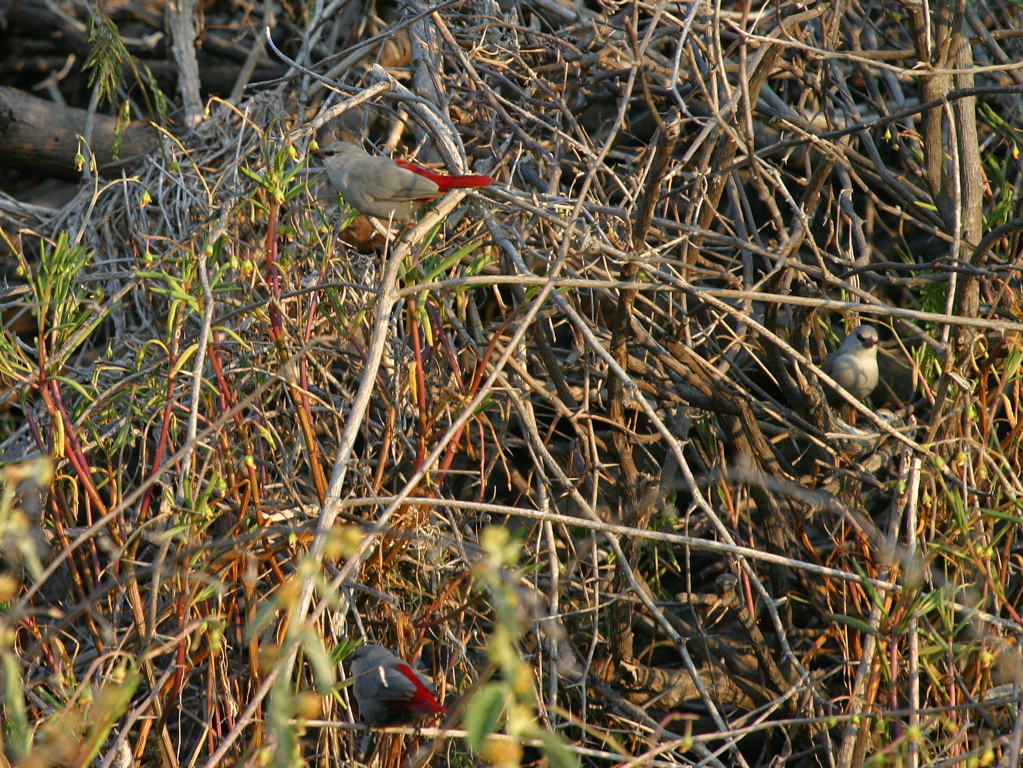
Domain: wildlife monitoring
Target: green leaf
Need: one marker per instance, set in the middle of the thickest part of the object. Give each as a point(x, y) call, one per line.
point(483, 713)
point(106, 55)
point(319, 660)
point(557, 750)
point(849, 621)
point(110, 704)
point(17, 732)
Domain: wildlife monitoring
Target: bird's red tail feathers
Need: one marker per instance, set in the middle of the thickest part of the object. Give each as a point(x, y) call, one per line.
point(425, 702)
point(448, 181)
point(422, 700)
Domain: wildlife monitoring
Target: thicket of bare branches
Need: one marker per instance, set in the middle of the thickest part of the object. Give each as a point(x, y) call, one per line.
point(565, 438)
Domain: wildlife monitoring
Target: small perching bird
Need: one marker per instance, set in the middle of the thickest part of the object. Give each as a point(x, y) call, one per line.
point(386, 188)
point(854, 364)
point(389, 691)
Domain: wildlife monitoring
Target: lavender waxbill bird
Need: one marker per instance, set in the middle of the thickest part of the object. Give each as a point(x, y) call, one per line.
point(389, 691)
point(854, 364)
point(386, 188)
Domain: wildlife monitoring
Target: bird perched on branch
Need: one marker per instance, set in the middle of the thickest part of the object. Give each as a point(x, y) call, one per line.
point(389, 691)
point(854, 364)
point(386, 188)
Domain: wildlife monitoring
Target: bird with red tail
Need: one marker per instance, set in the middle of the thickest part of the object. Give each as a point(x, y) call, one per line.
point(389, 691)
point(386, 188)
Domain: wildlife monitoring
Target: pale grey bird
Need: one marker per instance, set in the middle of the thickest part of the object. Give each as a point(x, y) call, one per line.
point(854, 364)
point(386, 188)
point(389, 691)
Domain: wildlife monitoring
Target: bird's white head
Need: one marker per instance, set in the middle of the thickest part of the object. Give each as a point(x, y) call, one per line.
point(864, 337)
point(338, 149)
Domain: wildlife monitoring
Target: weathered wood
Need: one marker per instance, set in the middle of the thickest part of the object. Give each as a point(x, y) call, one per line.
point(43, 137)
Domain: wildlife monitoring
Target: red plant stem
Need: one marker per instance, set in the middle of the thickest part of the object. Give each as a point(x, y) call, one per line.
point(227, 403)
point(477, 379)
point(72, 564)
point(273, 276)
point(72, 448)
point(299, 392)
point(417, 352)
point(314, 302)
point(161, 443)
point(445, 341)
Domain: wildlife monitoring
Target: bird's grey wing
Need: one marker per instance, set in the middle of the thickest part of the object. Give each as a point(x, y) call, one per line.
point(383, 684)
point(390, 183)
point(829, 364)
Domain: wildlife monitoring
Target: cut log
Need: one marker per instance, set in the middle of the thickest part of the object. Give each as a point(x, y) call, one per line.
point(42, 137)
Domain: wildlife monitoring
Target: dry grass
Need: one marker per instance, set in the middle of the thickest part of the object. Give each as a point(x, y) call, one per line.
point(564, 438)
